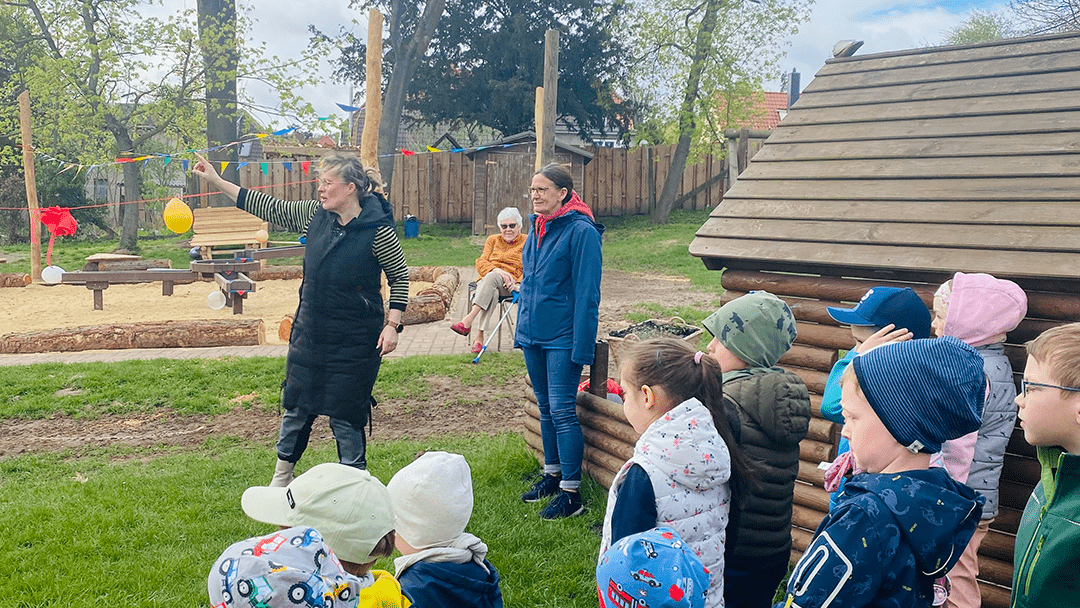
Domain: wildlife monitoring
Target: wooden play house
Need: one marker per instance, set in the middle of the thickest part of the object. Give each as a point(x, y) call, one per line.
point(900, 169)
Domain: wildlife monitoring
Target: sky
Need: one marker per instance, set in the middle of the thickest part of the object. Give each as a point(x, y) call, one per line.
point(884, 25)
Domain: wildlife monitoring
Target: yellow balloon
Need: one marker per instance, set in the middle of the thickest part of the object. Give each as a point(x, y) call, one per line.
point(262, 236)
point(178, 216)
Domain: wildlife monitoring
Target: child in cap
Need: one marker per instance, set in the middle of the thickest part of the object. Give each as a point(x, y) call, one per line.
point(292, 568)
point(979, 309)
point(686, 461)
point(348, 506)
point(900, 524)
point(750, 334)
point(1047, 546)
point(441, 564)
point(883, 315)
point(651, 569)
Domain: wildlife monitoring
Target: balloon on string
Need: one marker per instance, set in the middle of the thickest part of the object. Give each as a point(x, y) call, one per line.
point(262, 236)
point(178, 217)
point(52, 274)
point(216, 300)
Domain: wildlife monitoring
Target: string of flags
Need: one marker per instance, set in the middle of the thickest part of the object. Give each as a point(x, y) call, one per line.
point(264, 166)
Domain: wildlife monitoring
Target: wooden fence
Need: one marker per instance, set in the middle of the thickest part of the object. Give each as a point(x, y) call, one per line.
point(437, 187)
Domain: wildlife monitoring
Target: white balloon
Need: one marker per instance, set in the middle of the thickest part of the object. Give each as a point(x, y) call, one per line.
point(52, 274)
point(216, 300)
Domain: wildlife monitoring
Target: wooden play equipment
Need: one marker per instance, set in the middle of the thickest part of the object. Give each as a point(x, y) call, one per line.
point(225, 227)
point(164, 334)
point(898, 169)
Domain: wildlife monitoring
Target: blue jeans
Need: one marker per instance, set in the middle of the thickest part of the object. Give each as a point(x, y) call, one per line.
point(296, 430)
point(555, 379)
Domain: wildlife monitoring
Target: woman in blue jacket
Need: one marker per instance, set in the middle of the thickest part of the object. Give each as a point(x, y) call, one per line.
point(557, 319)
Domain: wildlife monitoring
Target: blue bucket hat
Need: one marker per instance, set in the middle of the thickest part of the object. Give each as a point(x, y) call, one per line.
point(924, 391)
point(881, 306)
point(653, 569)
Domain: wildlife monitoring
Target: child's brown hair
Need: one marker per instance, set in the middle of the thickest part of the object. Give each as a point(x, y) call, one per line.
point(670, 364)
point(1059, 349)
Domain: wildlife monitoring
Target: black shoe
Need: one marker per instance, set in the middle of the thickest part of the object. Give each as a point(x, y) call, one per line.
point(566, 504)
point(547, 485)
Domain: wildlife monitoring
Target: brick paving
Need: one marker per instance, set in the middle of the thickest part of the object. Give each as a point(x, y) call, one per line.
point(433, 338)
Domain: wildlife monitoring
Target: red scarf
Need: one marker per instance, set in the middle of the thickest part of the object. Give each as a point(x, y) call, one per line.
point(574, 204)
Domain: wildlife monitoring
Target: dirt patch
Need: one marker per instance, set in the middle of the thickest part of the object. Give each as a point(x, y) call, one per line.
point(452, 409)
point(621, 292)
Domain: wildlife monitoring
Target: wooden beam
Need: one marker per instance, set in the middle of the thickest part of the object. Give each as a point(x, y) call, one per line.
point(551, 90)
point(369, 139)
point(538, 119)
point(31, 184)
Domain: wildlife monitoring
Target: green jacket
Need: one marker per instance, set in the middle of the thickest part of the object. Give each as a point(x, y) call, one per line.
point(1047, 554)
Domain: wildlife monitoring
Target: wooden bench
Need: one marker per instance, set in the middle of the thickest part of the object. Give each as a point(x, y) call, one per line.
point(216, 227)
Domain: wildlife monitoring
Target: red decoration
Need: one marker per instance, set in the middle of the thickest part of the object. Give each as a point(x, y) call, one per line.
point(408, 152)
point(60, 223)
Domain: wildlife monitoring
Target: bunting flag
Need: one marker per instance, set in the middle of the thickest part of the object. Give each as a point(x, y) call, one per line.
point(431, 149)
point(305, 165)
point(281, 132)
point(349, 108)
point(408, 152)
point(457, 149)
point(184, 164)
point(287, 165)
point(242, 164)
point(224, 164)
point(168, 159)
point(264, 167)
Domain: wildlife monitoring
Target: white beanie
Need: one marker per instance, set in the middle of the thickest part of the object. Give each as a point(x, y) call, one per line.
point(433, 499)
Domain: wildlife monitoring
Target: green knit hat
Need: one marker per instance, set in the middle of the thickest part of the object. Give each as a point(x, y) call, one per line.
point(757, 328)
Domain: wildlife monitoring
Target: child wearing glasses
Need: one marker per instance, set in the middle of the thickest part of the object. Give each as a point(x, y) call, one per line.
point(499, 268)
point(1048, 539)
point(979, 309)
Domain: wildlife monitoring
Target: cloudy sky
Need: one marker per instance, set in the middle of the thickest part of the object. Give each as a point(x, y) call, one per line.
point(885, 25)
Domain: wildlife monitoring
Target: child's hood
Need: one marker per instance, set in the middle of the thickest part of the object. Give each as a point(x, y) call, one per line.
point(983, 308)
point(931, 511)
point(685, 445)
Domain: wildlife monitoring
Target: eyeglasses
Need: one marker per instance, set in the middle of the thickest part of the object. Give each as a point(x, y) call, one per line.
point(1024, 384)
point(323, 182)
point(538, 190)
point(507, 226)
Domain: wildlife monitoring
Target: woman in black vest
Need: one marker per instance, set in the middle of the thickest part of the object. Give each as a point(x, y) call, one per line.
point(339, 332)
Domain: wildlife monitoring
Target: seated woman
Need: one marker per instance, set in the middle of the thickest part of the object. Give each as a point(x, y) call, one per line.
point(500, 272)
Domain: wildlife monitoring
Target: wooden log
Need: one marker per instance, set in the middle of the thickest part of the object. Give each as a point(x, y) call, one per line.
point(805, 517)
point(369, 139)
point(603, 407)
point(811, 357)
point(1008, 519)
point(998, 545)
point(801, 539)
point(532, 438)
point(598, 371)
point(815, 380)
point(994, 596)
point(823, 430)
point(615, 428)
point(277, 273)
point(284, 331)
point(816, 451)
point(995, 571)
point(1014, 494)
point(810, 473)
point(804, 309)
point(14, 279)
point(162, 334)
point(825, 336)
point(1057, 306)
point(125, 265)
point(811, 286)
point(811, 497)
point(601, 456)
point(599, 474)
point(424, 309)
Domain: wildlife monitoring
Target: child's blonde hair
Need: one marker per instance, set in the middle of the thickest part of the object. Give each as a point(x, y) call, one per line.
point(1059, 349)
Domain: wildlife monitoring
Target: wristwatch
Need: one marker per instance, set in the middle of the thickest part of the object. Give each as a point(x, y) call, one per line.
point(399, 327)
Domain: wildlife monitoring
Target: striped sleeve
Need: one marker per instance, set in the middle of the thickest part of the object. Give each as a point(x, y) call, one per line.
point(387, 250)
point(291, 215)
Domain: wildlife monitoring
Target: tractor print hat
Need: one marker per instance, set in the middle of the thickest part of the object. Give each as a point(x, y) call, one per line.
point(652, 569)
point(292, 568)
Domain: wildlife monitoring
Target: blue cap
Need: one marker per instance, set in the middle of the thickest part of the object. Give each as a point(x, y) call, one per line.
point(653, 569)
point(882, 306)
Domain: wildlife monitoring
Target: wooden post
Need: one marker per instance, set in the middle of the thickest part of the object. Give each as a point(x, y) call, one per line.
point(551, 91)
point(541, 135)
point(31, 185)
point(598, 371)
point(431, 188)
point(369, 139)
point(651, 180)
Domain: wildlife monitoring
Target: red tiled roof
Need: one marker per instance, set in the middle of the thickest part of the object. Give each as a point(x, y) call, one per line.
point(765, 114)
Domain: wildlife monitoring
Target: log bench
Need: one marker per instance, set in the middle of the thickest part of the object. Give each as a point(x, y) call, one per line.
point(224, 227)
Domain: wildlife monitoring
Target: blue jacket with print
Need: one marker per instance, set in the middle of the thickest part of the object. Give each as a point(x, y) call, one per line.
point(449, 585)
point(560, 289)
point(889, 537)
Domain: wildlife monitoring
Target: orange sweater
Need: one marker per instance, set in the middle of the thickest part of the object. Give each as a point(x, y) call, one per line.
point(500, 254)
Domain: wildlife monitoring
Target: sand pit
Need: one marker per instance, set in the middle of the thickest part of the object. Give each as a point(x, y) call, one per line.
point(40, 307)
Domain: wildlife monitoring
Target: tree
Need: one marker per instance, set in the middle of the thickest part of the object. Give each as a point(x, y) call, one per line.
point(1045, 16)
point(982, 26)
point(492, 54)
point(691, 53)
point(217, 40)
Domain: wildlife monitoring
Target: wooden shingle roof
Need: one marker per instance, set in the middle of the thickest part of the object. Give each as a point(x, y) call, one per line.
point(936, 159)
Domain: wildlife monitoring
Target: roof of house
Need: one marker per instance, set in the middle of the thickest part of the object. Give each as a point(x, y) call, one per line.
point(527, 137)
point(935, 159)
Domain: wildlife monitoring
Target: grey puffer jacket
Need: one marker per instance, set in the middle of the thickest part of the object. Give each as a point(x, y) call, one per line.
point(774, 415)
point(998, 420)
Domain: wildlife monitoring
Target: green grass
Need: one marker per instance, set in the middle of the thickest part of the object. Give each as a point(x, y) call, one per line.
point(141, 527)
point(634, 245)
point(206, 386)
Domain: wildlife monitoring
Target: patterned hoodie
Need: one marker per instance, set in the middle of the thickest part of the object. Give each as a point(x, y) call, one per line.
point(889, 537)
point(689, 466)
